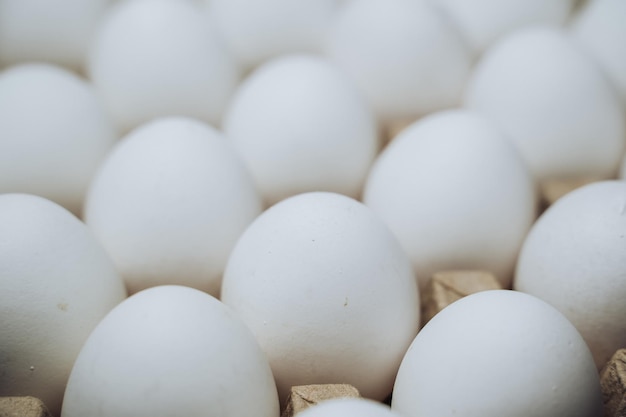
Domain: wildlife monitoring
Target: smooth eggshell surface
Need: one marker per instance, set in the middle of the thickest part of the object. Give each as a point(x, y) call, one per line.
point(482, 22)
point(169, 203)
point(575, 259)
point(348, 407)
point(601, 30)
point(553, 102)
point(56, 284)
point(157, 58)
point(498, 353)
point(166, 351)
point(327, 291)
point(258, 30)
point(48, 31)
point(405, 58)
point(300, 126)
point(54, 133)
point(456, 194)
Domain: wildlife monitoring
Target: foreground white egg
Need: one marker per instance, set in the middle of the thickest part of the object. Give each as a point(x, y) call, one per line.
point(56, 284)
point(498, 353)
point(54, 133)
point(166, 351)
point(169, 203)
point(300, 126)
point(553, 102)
point(405, 58)
point(258, 30)
point(575, 259)
point(328, 292)
point(348, 407)
point(456, 194)
point(58, 32)
point(157, 58)
point(600, 28)
point(482, 22)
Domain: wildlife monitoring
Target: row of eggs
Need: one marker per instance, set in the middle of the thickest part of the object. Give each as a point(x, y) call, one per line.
point(316, 290)
point(173, 198)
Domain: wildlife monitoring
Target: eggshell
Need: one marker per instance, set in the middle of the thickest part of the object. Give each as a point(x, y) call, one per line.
point(498, 353)
point(455, 193)
point(171, 350)
point(169, 203)
point(156, 58)
point(301, 126)
point(574, 258)
point(601, 30)
point(327, 291)
point(482, 22)
point(54, 133)
point(552, 101)
point(349, 407)
point(56, 284)
point(406, 59)
point(258, 30)
point(48, 31)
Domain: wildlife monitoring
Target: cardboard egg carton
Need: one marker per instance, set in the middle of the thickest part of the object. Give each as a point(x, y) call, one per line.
point(23, 407)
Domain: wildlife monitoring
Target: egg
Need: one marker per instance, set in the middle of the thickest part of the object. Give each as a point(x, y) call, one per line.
point(600, 29)
point(498, 353)
point(48, 31)
point(54, 132)
point(552, 101)
point(455, 193)
point(300, 126)
point(483, 22)
point(258, 30)
point(169, 203)
point(56, 284)
point(327, 291)
point(171, 350)
point(348, 407)
point(406, 59)
point(574, 258)
point(158, 58)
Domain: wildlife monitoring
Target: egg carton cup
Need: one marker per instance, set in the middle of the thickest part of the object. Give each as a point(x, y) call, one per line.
point(23, 407)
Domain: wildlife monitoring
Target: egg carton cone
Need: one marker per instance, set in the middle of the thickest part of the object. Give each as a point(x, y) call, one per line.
point(302, 397)
point(23, 407)
point(552, 190)
point(446, 287)
point(613, 382)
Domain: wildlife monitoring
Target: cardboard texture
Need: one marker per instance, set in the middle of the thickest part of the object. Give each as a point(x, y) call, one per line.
point(613, 383)
point(23, 407)
point(305, 396)
point(552, 190)
point(446, 287)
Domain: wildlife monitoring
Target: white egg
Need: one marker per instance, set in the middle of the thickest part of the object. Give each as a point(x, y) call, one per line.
point(552, 101)
point(482, 22)
point(348, 407)
point(57, 32)
point(498, 353)
point(257, 30)
point(171, 351)
point(169, 203)
point(406, 59)
point(56, 284)
point(301, 126)
point(600, 27)
point(456, 194)
point(575, 259)
point(327, 291)
point(54, 133)
point(156, 58)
